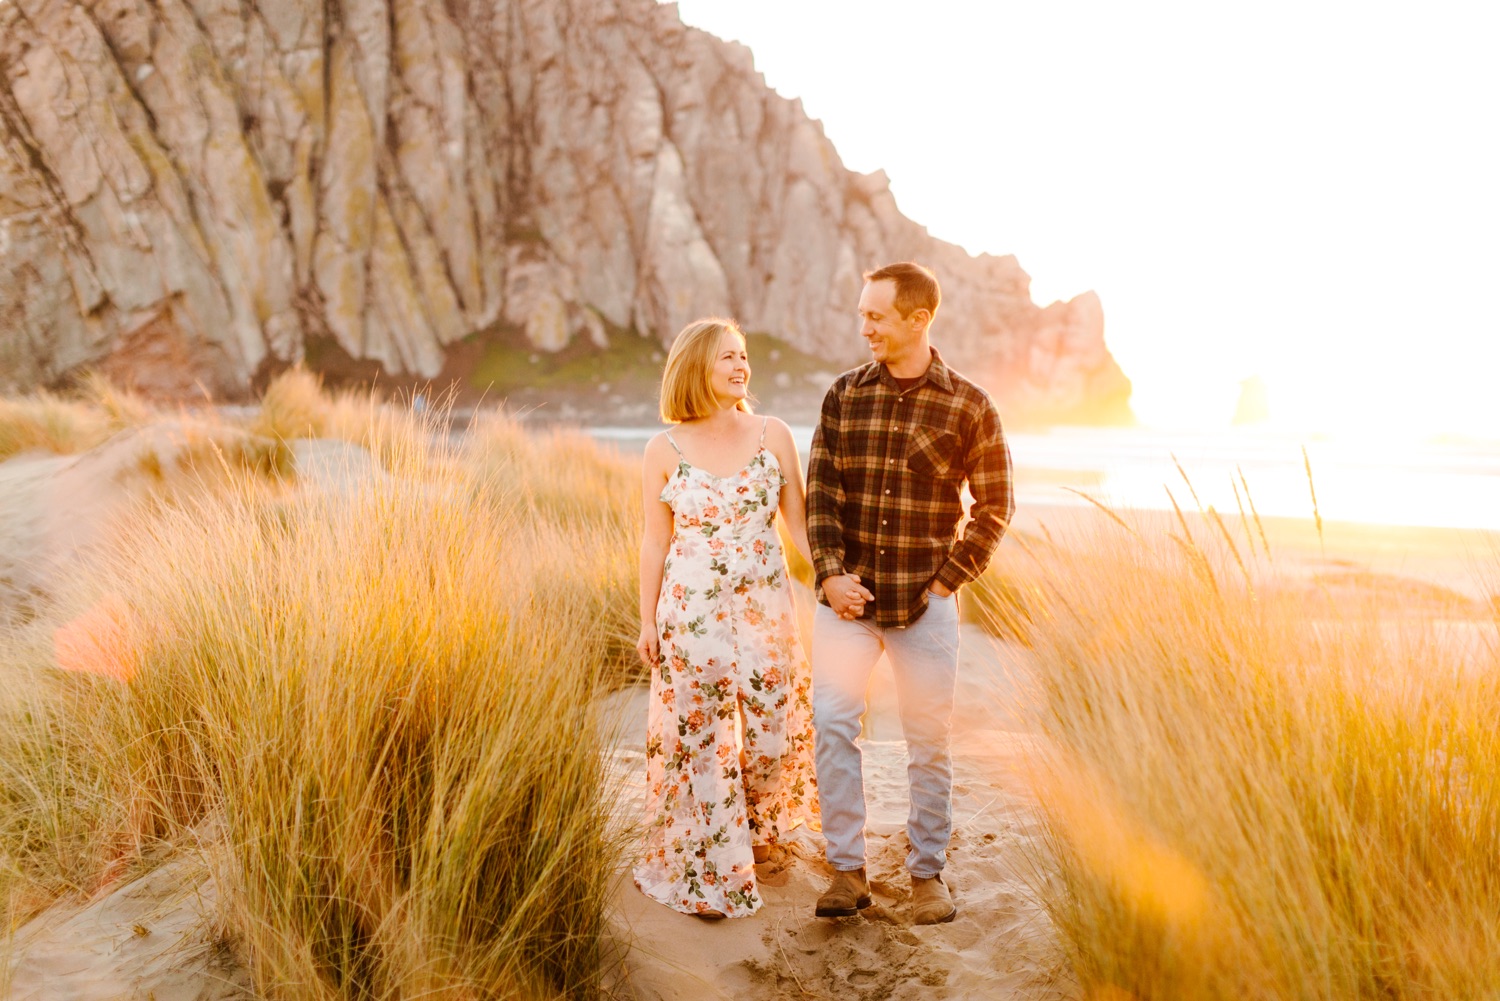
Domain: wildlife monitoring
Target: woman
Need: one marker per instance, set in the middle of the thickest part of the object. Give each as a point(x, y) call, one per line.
point(729, 744)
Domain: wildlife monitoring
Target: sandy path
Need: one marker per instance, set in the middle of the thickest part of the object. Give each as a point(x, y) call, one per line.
point(1000, 945)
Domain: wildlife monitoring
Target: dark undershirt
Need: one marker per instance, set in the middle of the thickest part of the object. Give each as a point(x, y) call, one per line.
point(905, 384)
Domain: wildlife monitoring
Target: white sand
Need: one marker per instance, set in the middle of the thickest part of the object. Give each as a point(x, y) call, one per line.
point(151, 938)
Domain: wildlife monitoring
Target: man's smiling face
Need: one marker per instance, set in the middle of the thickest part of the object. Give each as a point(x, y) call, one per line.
point(892, 338)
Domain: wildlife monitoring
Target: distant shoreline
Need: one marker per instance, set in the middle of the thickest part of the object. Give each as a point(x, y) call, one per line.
point(1439, 485)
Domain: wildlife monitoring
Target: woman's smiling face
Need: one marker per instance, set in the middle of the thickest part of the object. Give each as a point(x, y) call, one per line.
point(729, 378)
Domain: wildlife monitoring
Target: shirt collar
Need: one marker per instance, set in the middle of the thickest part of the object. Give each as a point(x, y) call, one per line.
point(936, 374)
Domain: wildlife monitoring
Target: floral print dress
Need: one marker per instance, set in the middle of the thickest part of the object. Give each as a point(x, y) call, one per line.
point(729, 741)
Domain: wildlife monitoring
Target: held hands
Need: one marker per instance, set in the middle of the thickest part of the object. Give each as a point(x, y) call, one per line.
point(846, 595)
point(649, 645)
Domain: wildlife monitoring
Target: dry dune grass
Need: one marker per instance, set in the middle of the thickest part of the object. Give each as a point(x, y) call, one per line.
point(374, 707)
point(97, 410)
point(68, 424)
point(1254, 794)
point(295, 405)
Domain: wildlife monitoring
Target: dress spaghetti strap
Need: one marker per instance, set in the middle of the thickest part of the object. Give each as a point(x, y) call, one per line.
point(673, 442)
point(763, 422)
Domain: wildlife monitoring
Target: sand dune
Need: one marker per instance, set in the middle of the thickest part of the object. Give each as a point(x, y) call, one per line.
point(155, 937)
point(151, 938)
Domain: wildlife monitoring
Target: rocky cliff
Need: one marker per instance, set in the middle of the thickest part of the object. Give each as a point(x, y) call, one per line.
point(193, 192)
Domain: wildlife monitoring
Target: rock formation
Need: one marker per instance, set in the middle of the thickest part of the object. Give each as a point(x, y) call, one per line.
point(195, 191)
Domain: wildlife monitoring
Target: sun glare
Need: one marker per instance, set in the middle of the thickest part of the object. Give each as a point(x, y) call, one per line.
point(1328, 226)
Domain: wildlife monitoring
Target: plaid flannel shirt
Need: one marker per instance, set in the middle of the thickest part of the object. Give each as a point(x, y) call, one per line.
point(885, 486)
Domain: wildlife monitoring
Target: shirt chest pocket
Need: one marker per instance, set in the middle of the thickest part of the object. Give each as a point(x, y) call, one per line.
point(934, 453)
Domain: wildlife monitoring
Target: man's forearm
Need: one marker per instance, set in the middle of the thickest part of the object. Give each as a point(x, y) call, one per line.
point(990, 481)
point(971, 555)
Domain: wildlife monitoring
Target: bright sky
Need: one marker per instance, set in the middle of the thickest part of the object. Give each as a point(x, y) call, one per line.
point(1305, 191)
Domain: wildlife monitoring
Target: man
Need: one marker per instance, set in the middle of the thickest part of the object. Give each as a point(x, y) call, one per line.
point(897, 439)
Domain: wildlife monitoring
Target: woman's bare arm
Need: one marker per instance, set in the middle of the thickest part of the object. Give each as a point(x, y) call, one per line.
point(794, 495)
point(656, 537)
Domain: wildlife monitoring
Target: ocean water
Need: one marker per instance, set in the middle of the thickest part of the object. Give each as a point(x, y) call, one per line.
point(1446, 483)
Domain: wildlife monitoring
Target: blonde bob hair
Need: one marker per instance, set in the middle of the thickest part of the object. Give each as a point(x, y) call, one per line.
point(686, 384)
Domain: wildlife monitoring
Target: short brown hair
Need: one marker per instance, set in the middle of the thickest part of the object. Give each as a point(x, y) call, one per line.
point(916, 286)
point(686, 389)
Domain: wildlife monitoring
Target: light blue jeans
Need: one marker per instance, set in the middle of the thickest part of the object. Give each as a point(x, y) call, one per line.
point(924, 661)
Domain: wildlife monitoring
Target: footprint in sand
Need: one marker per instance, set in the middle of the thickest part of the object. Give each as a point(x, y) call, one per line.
point(772, 874)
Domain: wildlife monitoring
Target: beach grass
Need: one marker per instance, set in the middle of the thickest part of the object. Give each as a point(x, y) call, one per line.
point(67, 423)
point(1258, 791)
point(295, 405)
point(374, 709)
point(48, 422)
point(52, 795)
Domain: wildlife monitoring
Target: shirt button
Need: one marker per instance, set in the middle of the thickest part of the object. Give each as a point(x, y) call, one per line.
point(882, 552)
point(887, 493)
point(890, 460)
point(882, 521)
point(895, 427)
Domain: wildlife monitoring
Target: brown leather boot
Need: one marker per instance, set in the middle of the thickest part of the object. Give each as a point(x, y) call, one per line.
point(931, 904)
point(844, 897)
